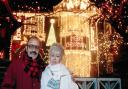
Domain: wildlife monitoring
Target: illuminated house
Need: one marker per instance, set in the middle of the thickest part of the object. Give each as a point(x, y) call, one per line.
point(73, 30)
point(71, 24)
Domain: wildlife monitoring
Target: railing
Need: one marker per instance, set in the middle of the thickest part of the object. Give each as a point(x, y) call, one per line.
point(99, 83)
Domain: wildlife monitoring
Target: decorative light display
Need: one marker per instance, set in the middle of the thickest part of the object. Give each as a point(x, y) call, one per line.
point(18, 34)
point(8, 25)
point(51, 36)
point(106, 46)
point(2, 54)
point(79, 33)
point(109, 44)
point(116, 13)
point(33, 24)
point(70, 33)
point(33, 5)
point(74, 6)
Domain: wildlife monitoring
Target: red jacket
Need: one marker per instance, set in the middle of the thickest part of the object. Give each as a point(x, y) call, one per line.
point(17, 78)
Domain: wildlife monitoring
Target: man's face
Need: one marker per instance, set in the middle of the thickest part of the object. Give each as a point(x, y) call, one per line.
point(32, 48)
point(55, 56)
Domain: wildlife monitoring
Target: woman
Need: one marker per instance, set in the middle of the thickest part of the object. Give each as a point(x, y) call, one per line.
point(56, 75)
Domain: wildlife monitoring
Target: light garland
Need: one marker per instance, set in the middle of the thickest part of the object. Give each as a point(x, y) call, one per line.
point(75, 23)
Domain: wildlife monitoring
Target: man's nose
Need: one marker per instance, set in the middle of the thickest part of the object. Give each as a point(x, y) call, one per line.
point(33, 49)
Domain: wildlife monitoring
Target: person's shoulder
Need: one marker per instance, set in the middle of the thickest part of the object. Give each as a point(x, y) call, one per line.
point(46, 69)
point(65, 69)
point(15, 62)
point(63, 66)
point(45, 72)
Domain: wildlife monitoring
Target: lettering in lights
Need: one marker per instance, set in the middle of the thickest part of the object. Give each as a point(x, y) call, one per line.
point(77, 57)
point(75, 42)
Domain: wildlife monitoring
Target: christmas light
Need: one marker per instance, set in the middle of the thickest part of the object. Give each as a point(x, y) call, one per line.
point(79, 32)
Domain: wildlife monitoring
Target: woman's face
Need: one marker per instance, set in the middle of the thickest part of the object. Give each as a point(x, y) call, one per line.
point(55, 56)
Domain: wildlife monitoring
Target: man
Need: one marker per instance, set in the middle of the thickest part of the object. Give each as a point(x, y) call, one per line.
point(25, 71)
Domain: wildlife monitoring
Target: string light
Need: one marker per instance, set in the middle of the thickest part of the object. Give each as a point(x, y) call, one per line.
point(108, 44)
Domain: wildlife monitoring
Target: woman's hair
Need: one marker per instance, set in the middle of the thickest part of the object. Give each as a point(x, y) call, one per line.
point(57, 46)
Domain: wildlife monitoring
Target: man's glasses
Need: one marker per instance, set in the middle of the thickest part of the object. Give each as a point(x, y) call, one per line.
point(30, 46)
